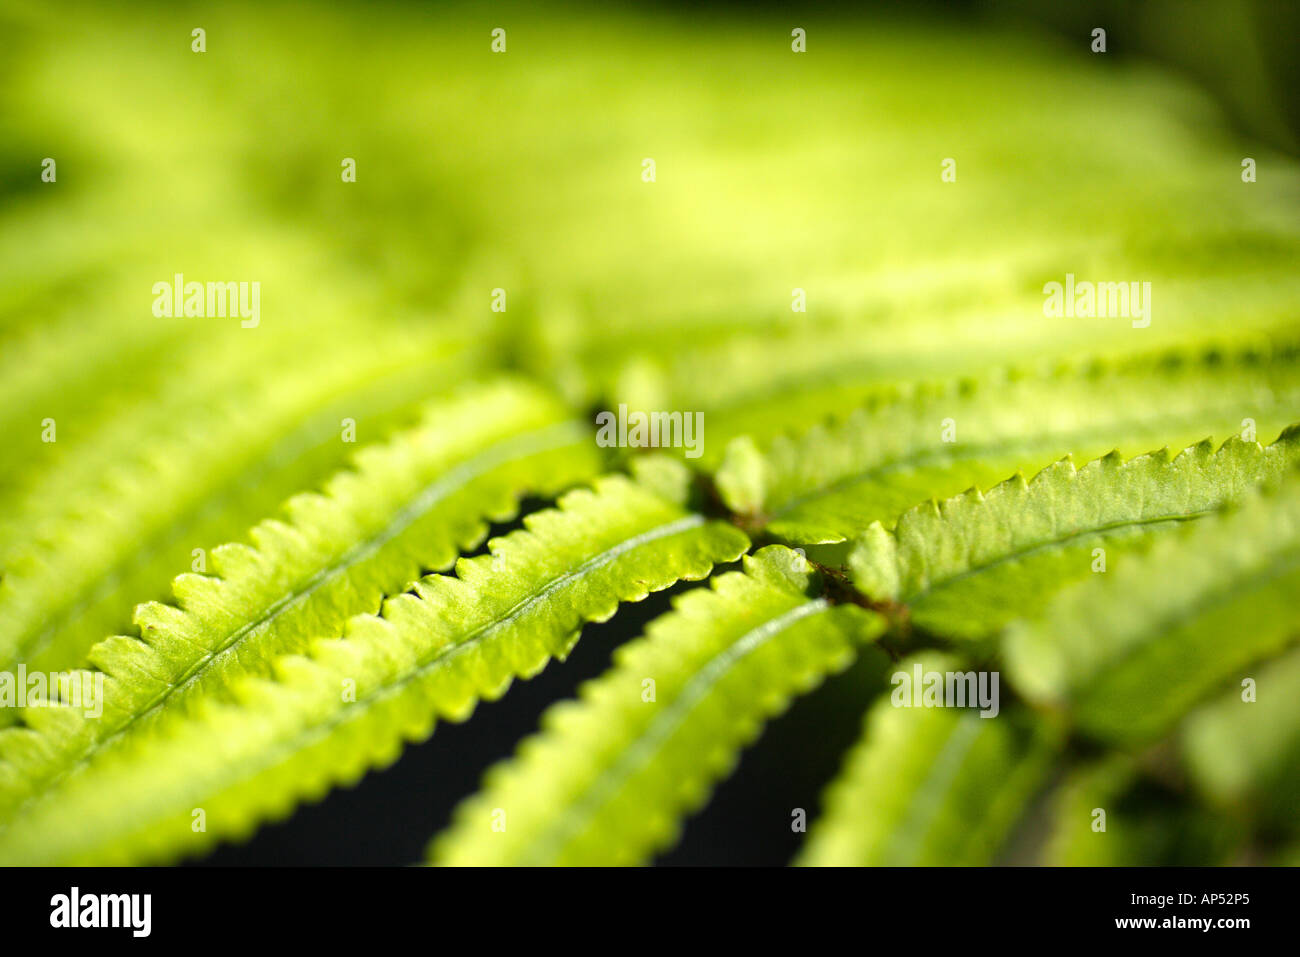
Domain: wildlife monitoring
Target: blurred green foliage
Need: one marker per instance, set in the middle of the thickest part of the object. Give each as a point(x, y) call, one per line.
point(522, 171)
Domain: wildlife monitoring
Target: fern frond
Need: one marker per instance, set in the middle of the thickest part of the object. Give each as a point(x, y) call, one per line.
point(327, 717)
point(834, 481)
point(967, 566)
point(1129, 651)
point(611, 775)
point(931, 785)
point(410, 505)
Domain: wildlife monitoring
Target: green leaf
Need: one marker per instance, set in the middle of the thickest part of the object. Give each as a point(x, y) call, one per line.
point(411, 504)
point(967, 566)
point(611, 775)
point(106, 516)
point(1128, 652)
point(931, 785)
point(431, 653)
point(834, 481)
point(1109, 814)
point(1242, 750)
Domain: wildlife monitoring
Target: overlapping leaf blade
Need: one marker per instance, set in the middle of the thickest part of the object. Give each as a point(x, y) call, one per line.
point(967, 566)
point(104, 517)
point(411, 504)
point(1129, 651)
point(1243, 750)
point(348, 705)
point(931, 785)
point(610, 776)
point(832, 482)
point(1107, 813)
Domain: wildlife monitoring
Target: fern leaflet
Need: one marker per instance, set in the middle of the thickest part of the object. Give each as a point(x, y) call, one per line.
point(967, 566)
point(1128, 652)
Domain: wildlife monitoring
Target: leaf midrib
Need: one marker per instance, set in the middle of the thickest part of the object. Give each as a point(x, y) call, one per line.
point(959, 741)
point(932, 586)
